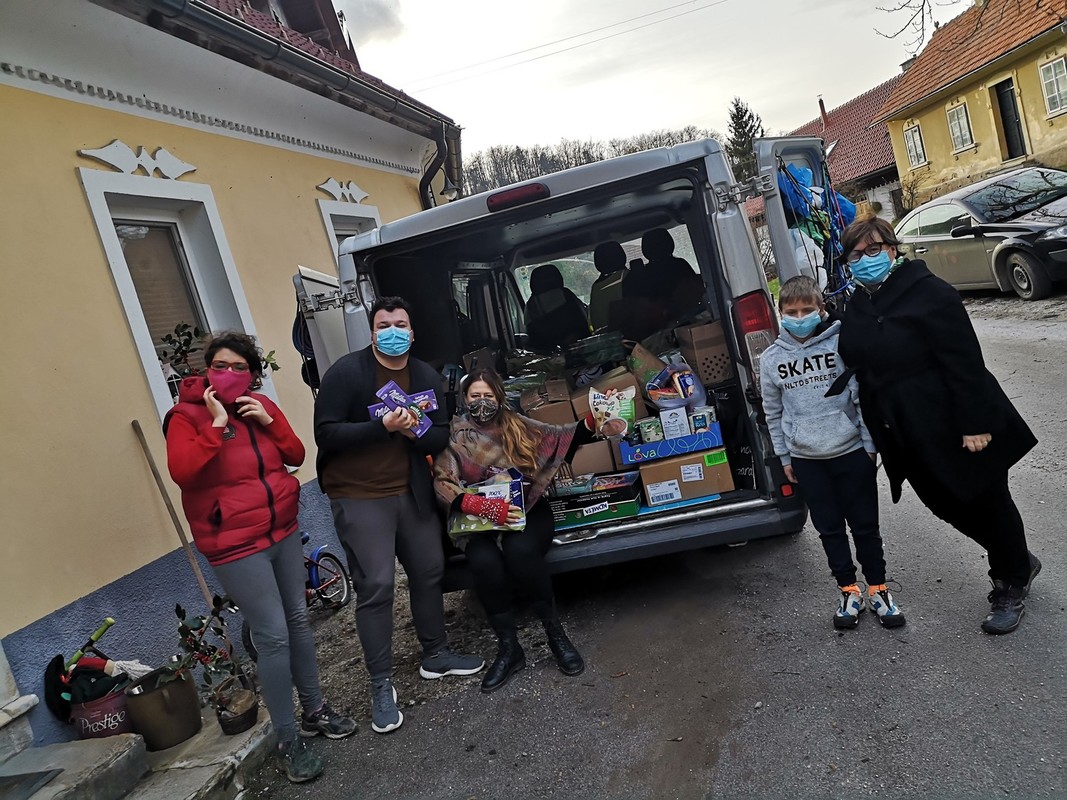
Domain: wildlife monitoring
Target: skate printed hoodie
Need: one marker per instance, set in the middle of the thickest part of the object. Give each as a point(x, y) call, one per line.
point(803, 422)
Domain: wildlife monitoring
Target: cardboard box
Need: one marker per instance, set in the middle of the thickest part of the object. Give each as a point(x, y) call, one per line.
point(549, 402)
point(596, 512)
point(683, 445)
point(612, 488)
point(594, 457)
point(687, 477)
point(704, 349)
point(479, 359)
point(675, 422)
point(620, 378)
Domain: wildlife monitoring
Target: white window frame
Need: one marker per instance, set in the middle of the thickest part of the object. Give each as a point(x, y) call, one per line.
point(916, 156)
point(191, 207)
point(1059, 82)
point(959, 125)
point(339, 216)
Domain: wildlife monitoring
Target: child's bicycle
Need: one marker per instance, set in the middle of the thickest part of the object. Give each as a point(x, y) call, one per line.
point(327, 580)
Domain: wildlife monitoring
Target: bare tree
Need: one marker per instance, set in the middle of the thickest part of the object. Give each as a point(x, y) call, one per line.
point(910, 189)
point(501, 165)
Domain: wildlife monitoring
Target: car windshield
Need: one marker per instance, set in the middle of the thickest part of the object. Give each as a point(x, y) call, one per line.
point(1018, 194)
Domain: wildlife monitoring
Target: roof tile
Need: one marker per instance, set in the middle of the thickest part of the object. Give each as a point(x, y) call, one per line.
point(859, 148)
point(967, 42)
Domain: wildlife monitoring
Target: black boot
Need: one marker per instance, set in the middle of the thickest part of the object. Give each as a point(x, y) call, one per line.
point(509, 656)
point(567, 656)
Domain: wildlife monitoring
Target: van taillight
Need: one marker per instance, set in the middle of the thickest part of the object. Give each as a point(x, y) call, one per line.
point(518, 196)
point(757, 328)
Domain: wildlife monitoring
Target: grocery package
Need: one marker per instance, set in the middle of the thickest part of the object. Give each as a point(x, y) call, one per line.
point(505, 485)
point(676, 386)
point(394, 397)
point(687, 477)
point(613, 414)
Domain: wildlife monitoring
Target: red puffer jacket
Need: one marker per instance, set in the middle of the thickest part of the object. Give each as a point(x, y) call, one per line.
point(237, 495)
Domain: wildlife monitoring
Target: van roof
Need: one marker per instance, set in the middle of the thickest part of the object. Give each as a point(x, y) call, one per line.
point(560, 184)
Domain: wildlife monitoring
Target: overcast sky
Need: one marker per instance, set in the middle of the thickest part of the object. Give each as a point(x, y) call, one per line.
point(673, 64)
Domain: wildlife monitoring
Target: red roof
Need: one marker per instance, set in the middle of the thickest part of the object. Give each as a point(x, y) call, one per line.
point(976, 37)
point(266, 23)
point(858, 148)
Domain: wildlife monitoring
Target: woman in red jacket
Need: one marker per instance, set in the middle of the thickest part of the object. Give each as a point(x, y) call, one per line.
point(227, 448)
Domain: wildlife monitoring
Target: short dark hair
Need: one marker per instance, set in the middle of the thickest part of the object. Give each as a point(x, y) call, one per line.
point(799, 288)
point(244, 345)
point(388, 304)
point(875, 227)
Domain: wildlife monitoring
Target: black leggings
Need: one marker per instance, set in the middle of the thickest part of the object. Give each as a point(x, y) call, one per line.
point(991, 519)
point(517, 563)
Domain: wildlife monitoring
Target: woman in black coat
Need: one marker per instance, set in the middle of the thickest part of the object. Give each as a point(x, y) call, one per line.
point(937, 415)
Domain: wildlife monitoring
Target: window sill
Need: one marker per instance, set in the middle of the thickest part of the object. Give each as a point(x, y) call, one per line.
point(1053, 114)
point(923, 165)
point(960, 151)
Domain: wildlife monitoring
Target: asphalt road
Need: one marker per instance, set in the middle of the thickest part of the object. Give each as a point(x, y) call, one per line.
point(717, 674)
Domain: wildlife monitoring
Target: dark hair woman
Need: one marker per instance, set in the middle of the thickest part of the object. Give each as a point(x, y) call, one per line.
point(487, 438)
point(935, 413)
point(227, 448)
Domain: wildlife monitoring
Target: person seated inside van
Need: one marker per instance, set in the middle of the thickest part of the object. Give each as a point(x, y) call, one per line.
point(554, 315)
point(610, 260)
point(679, 287)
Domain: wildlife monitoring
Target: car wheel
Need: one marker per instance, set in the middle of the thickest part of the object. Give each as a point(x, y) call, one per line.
point(1028, 278)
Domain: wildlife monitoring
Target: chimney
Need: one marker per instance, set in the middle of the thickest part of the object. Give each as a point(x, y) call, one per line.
point(822, 113)
point(907, 64)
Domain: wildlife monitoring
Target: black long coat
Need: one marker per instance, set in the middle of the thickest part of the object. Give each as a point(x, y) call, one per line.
point(923, 385)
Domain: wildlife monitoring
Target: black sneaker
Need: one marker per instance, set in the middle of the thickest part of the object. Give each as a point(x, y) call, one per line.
point(1007, 609)
point(327, 722)
point(297, 762)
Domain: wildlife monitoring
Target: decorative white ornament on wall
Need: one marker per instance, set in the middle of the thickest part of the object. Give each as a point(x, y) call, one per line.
point(120, 156)
point(346, 192)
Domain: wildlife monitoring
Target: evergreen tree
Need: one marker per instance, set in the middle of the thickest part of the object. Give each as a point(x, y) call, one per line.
point(745, 125)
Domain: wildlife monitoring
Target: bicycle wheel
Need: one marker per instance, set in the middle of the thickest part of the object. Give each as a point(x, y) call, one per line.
point(335, 587)
point(250, 646)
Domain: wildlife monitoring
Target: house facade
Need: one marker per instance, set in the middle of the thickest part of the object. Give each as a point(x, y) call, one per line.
point(166, 163)
point(986, 94)
point(859, 154)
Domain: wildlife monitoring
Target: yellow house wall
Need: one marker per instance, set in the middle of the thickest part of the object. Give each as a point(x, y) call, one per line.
point(1045, 135)
point(78, 506)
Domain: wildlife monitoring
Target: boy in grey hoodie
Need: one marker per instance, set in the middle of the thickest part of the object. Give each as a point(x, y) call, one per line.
point(825, 448)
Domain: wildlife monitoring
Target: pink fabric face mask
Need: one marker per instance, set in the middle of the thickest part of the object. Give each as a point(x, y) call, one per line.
point(229, 385)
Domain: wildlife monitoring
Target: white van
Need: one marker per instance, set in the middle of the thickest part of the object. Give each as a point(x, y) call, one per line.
point(464, 267)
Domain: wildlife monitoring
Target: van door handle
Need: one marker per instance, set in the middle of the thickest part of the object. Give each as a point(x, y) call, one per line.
point(920, 250)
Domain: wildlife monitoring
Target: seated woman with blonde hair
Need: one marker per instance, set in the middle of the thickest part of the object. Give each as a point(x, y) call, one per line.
point(488, 438)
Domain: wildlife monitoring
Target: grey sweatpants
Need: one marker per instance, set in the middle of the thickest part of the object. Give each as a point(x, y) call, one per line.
point(269, 588)
point(375, 533)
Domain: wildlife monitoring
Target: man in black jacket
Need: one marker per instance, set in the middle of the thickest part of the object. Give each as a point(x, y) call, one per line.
point(374, 470)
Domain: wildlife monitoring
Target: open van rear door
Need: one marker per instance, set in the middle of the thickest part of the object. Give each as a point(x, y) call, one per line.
point(335, 318)
point(795, 252)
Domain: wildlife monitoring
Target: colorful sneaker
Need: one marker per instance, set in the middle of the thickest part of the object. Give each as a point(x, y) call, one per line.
point(385, 716)
point(297, 762)
point(327, 722)
point(445, 662)
point(1006, 609)
point(850, 607)
point(881, 602)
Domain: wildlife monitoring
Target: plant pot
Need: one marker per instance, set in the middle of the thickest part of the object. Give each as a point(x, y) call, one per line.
point(105, 716)
point(236, 708)
point(164, 714)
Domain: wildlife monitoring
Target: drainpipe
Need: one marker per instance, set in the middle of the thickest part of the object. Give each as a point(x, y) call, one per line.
point(270, 49)
point(425, 192)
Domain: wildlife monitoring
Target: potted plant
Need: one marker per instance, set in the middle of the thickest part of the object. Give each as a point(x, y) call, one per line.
point(179, 346)
point(164, 705)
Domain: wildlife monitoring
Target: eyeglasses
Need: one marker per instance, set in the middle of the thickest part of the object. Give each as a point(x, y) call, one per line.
point(873, 249)
point(222, 365)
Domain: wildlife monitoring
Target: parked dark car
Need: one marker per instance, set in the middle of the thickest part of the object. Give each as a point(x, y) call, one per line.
point(1008, 232)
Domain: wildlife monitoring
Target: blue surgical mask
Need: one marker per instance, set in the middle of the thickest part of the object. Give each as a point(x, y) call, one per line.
point(393, 341)
point(802, 327)
point(871, 270)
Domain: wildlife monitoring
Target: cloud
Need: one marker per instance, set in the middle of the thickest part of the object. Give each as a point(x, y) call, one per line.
point(372, 20)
